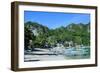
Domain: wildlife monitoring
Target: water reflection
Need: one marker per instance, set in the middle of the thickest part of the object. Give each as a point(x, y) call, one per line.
point(80, 53)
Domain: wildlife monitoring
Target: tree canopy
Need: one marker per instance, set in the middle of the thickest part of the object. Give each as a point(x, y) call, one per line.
point(77, 33)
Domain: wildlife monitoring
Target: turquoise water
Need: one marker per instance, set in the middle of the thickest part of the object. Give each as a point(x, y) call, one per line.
point(82, 53)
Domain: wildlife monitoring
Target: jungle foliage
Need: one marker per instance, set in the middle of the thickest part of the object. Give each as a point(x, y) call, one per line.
point(77, 33)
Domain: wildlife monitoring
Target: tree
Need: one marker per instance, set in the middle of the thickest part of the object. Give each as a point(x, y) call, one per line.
point(28, 35)
point(77, 33)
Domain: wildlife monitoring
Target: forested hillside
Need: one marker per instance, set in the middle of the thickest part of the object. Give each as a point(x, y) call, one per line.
point(41, 35)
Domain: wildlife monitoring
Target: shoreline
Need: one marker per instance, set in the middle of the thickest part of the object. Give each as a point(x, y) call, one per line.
point(46, 55)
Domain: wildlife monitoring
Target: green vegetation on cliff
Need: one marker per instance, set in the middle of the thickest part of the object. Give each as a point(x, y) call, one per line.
point(41, 35)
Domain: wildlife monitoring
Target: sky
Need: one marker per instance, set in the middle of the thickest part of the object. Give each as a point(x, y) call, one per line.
point(56, 19)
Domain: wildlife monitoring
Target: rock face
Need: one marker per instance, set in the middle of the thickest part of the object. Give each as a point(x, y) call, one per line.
point(36, 28)
point(35, 32)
